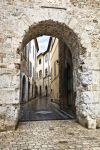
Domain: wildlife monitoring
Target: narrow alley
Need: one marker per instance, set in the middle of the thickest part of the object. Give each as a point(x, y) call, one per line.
point(46, 81)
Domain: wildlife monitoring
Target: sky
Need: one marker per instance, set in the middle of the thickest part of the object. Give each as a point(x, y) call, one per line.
point(43, 43)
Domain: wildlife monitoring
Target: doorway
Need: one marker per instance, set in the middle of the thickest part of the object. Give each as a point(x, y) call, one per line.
point(23, 88)
point(68, 83)
point(40, 91)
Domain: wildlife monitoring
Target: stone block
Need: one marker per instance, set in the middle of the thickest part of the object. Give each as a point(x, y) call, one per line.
point(98, 122)
point(86, 78)
point(86, 97)
point(94, 87)
point(90, 97)
point(91, 123)
point(3, 65)
point(5, 80)
point(87, 122)
point(9, 96)
point(2, 125)
point(11, 113)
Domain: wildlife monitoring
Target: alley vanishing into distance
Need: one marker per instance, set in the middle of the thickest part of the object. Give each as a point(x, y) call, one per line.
point(46, 81)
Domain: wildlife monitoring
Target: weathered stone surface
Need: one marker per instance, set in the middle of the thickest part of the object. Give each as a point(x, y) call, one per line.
point(22, 20)
point(8, 116)
point(86, 78)
point(87, 3)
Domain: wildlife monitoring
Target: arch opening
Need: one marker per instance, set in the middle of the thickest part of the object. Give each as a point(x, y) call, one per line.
point(72, 43)
point(67, 61)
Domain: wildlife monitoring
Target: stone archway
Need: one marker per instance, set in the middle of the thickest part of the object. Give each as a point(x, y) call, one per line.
point(63, 32)
point(67, 35)
point(66, 22)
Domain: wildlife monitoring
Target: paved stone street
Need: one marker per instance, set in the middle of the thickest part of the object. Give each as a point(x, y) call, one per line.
point(50, 135)
point(40, 109)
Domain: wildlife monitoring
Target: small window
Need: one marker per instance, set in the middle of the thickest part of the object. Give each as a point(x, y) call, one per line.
point(33, 72)
point(51, 74)
point(30, 69)
point(33, 52)
point(24, 52)
point(40, 74)
point(46, 58)
point(39, 61)
point(21, 56)
point(54, 68)
point(29, 46)
point(46, 72)
point(37, 75)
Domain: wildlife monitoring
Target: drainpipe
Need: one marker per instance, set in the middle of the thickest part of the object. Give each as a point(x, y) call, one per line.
point(48, 71)
point(43, 72)
point(28, 75)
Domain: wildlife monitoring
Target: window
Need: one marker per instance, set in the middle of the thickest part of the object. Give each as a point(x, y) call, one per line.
point(30, 69)
point(33, 72)
point(40, 73)
point(33, 53)
point(51, 74)
point(55, 68)
point(29, 46)
point(46, 58)
point(21, 56)
point(39, 61)
point(37, 75)
point(25, 52)
point(46, 72)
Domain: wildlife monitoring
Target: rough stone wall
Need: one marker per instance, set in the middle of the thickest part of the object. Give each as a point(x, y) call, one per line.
point(86, 3)
point(20, 21)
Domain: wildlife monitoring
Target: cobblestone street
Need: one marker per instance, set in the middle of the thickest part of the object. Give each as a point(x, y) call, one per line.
point(50, 135)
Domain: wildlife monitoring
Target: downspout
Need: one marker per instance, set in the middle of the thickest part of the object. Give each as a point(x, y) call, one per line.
point(28, 75)
point(43, 72)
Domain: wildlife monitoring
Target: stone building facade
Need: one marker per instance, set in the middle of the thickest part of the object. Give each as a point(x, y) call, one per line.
point(62, 92)
point(77, 23)
point(43, 80)
point(54, 59)
point(24, 74)
point(27, 71)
